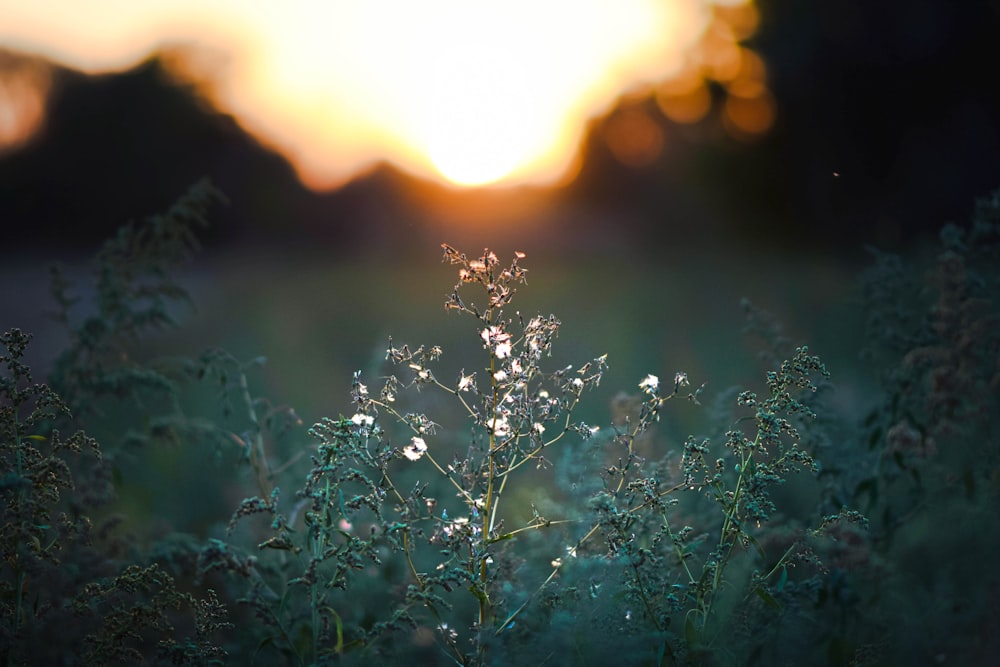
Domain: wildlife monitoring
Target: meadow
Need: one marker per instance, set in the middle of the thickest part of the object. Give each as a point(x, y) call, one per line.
point(503, 458)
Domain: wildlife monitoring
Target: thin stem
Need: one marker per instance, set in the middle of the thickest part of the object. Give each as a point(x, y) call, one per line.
point(555, 570)
point(459, 658)
point(645, 598)
point(430, 458)
point(534, 526)
point(530, 455)
point(677, 548)
point(258, 456)
point(489, 507)
point(725, 543)
point(781, 561)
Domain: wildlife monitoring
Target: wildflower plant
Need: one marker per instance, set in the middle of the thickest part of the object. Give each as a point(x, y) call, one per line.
point(927, 465)
point(475, 568)
point(72, 591)
point(460, 511)
point(516, 410)
point(135, 294)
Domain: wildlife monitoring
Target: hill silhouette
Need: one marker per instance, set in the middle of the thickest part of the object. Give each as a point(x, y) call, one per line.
point(886, 129)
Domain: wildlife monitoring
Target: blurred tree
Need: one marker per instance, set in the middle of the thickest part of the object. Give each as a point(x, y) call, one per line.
point(117, 146)
point(888, 125)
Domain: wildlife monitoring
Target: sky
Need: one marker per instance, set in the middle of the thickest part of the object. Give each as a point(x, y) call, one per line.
point(468, 93)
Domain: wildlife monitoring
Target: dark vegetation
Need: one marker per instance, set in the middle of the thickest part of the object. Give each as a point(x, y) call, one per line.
point(475, 518)
point(879, 104)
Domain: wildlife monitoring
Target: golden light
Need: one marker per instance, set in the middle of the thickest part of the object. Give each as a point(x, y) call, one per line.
point(467, 92)
point(684, 98)
point(24, 86)
point(633, 137)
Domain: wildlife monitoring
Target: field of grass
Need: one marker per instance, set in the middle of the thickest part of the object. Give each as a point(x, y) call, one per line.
point(703, 532)
point(318, 321)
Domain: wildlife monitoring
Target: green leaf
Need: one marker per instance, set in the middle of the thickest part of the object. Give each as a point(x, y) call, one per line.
point(690, 633)
point(339, 647)
point(767, 598)
point(664, 649)
point(261, 644)
point(782, 580)
point(756, 544)
point(280, 542)
point(340, 498)
point(479, 593)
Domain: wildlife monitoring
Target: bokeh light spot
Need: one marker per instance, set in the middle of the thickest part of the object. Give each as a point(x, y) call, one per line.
point(749, 116)
point(634, 138)
point(24, 87)
point(684, 101)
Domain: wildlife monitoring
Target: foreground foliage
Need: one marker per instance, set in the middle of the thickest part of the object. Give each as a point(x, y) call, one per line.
point(473, 518)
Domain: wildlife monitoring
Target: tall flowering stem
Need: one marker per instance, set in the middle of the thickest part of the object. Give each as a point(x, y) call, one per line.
point(499, 288)
point(520, 410)
point(524, 410)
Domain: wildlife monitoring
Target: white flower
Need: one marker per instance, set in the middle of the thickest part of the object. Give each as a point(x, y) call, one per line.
point(457, 524)
point(578, 383)
point(499, 426)
point(538, 428)
point(415, 449)
point(422, 373)
point(650, 384)
point(362, 390)
point(681, 380)
point(499, 338)
point(360, 419)
point(465, 383)
point(500, 375)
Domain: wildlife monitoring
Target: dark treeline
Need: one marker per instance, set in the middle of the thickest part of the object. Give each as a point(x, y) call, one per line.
point(888, 126)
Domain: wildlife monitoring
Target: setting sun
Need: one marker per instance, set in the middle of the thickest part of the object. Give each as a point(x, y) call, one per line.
point(469, 93)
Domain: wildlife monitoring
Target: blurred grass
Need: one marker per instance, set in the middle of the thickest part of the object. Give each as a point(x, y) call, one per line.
point(318, 320)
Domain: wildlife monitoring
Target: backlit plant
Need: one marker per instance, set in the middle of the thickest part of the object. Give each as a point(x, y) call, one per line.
point(461, 511)
point(389, 484)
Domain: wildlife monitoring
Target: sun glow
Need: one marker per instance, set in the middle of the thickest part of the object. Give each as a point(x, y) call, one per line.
point(467, 92)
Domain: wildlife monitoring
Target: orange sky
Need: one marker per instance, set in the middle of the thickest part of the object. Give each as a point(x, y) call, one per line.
point(466, 92)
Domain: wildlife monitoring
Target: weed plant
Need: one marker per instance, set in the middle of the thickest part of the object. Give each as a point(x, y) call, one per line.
point(930, 454)
point(475, 519)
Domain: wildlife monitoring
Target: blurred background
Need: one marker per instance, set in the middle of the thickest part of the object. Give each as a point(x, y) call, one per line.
point(657, 161)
